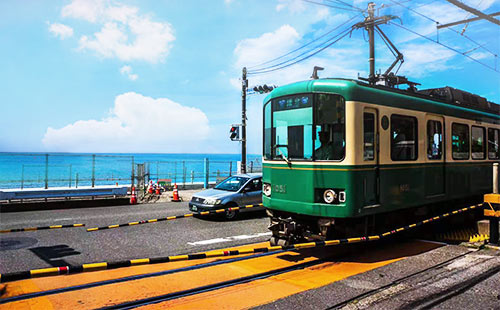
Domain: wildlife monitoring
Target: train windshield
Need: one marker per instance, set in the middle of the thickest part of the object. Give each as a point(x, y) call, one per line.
point(305, 127)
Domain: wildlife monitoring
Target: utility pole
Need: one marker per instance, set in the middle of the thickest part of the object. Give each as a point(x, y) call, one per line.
point(244, 86)
point(371, 38)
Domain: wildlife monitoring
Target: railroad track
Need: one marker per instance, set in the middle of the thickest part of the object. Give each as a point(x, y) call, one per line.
point(367, 299)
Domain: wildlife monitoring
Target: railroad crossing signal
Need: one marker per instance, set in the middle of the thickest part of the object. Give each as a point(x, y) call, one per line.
point(234, 133)
point(262, 89)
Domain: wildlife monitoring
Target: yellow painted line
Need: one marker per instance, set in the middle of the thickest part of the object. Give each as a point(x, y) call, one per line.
point(93, 229)
point(114, 226)
point(171, 217)
point(373, 238)
point(5, 231)
point(133, 223)
point(44, 272)
point(139, 261)
point(274, 248)
point(177, 257)
point(386, 234)
point(188, 215)
point(95, 266)
point(205, 212)
point(400, 229)
point(55, 226)
point(249, 206)
point(234, 209)
point(352, 240)
point(79, 225)
point(220, 210)
point(30, 229)
point(152, 220)
point(412, 225)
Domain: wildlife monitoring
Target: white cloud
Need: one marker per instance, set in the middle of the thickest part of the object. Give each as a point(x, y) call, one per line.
point(127, 70)
point(266, 47)
point(136, 124)
point(88, 10)
point(125, 34)
point(60, 30)
point(294, 6)
point(337, 62)
point(422, 59)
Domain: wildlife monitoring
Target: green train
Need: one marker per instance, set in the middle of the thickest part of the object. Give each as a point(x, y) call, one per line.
point(341, 155)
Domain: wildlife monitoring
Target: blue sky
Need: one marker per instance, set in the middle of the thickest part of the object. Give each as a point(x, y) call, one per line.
point(162, 76)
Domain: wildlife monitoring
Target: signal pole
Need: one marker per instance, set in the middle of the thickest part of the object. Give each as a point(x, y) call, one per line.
point(244, 86)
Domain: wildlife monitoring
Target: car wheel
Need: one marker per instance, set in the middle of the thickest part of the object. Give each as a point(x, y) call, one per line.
point(231, 214)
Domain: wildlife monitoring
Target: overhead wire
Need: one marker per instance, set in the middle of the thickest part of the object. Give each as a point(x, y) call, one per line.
point(330, 6)
point(347, 4)
point(446, 46)
point(449, 28)
point(342, 35)
point(305, 45)
point(319, 46)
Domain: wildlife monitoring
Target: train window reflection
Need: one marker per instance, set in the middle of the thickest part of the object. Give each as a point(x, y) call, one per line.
point(434, 140)
point(369, 136)
point(330, 127)
point(493, 143)
point(478, 143)
point(460, 141)
point(403, 138)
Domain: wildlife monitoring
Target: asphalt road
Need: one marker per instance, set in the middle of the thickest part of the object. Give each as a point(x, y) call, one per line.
point(74, 246)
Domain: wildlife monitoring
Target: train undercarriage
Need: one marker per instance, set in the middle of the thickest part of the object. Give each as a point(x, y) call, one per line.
point(290, 228)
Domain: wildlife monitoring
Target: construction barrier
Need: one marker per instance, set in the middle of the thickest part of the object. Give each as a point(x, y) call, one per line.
point(168, 218)
point(34, 273)
point(41, 228)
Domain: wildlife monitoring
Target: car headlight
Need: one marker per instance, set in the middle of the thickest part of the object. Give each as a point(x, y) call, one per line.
point(212, 201)
point(266, 189)
point(329, 195)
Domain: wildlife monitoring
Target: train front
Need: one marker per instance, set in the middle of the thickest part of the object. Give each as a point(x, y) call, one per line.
point(306, 183)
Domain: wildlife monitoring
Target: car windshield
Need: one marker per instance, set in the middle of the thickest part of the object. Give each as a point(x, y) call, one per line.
point(232, 184)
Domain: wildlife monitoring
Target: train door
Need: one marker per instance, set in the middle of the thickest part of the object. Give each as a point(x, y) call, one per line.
point(371, 182)
point(435, 156)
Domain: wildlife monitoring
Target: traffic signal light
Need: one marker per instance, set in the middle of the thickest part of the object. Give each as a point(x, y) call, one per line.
point(234, 133)
point(261, 89)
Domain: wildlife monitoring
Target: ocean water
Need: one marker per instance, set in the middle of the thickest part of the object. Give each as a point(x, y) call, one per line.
point(34, 170)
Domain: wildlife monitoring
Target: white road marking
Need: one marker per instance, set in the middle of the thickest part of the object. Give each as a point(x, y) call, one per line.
point(232, 238)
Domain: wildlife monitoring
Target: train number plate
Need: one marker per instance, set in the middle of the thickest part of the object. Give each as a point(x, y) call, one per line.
point(280, 188)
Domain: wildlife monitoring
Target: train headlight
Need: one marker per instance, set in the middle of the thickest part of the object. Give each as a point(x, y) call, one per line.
point(329, 195)
point(266, 189)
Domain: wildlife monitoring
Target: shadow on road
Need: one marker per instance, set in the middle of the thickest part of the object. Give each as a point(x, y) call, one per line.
point(53, 254)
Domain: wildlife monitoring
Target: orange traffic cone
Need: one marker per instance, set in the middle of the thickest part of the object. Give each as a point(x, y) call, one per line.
point(133, 198)
point(175, 195)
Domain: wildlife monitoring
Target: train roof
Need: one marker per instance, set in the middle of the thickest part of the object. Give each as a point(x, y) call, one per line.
point(446, 100)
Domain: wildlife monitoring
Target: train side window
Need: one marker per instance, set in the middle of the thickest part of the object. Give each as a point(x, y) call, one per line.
point(404, 141)
point(460, 141)
point(478, 142)
point(369, 136)
point(434, 140)
point(493, 143)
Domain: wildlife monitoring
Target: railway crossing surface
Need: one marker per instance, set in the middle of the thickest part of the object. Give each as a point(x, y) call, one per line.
point(389, 272)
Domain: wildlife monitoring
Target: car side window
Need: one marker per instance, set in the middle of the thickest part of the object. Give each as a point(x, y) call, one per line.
point(254, 185)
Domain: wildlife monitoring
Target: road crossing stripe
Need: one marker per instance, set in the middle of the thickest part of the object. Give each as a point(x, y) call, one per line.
point(40, 228)
point(174, 217)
